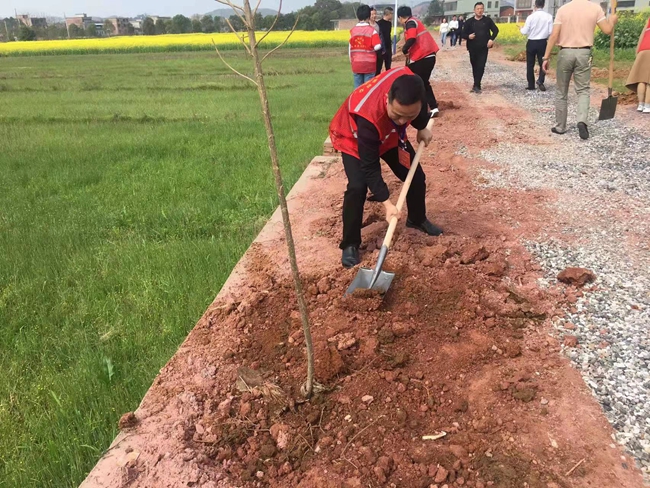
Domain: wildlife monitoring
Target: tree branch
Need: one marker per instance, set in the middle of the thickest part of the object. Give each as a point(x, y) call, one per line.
point(256, 7)
point(231, 5)
point(283, 42)
point(232, 69)
point(277, 16)
point(241, 39)
point(241, 17)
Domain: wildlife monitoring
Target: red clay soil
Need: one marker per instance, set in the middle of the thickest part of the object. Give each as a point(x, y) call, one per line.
point(460, 344)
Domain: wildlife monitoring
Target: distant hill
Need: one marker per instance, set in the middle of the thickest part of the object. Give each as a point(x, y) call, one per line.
point(420, 10)
point(227, 12)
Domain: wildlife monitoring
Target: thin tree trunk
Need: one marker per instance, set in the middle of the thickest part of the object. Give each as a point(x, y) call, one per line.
point(279, 185)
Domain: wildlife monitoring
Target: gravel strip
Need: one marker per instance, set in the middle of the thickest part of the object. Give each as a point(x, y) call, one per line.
point(603, 208)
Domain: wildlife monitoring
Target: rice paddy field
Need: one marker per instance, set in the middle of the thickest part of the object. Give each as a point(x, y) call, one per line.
point(129, 187)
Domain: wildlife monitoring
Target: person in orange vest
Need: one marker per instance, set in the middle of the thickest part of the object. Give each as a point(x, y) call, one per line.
point(371, 125)
point(364, 45)
point(421, 49)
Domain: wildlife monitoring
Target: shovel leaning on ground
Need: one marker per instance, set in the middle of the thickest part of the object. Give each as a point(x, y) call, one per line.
point(377, 279)
point(608, 105)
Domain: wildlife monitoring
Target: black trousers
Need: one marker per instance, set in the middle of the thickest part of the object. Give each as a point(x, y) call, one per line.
point(535, 50)
point(355, 195)
point(478, 58)
point(423, 68)
point(384, 60)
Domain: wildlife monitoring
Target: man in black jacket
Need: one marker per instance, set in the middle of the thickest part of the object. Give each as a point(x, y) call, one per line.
point(385, 27)
point(480, 32)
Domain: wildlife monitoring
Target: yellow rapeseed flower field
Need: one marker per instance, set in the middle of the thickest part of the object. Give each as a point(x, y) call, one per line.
point(509, 33)
point(169, 42)
point(194, 42)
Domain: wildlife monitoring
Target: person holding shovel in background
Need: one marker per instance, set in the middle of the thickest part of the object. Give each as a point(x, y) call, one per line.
point(420, 49)
point(573, 30)
point(371, 125)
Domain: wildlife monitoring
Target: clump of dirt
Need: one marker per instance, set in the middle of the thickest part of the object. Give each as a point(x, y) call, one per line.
point(519, 57)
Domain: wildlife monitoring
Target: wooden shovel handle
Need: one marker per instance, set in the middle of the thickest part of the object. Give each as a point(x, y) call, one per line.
point(405, 189)
point(611, 53)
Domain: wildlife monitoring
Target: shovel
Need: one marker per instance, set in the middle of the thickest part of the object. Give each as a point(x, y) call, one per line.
point(376, 279)
point(608, 105)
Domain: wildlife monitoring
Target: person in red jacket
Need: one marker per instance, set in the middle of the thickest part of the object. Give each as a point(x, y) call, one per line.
point(371, 125)
point(421, 49)
point(364, 45)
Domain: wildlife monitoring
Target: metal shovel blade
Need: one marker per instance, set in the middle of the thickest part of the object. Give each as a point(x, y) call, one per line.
point(373, 279)
point(608, 108)
point(363, 280)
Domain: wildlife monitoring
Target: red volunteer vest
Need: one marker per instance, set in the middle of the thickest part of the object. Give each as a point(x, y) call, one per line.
point(425, 44)
point(362, 49)
point(368, 101)
point(645, 41)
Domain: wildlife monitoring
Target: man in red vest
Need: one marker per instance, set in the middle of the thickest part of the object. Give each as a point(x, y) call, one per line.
point(371, 124)
point(364, 45)
point(421, 49)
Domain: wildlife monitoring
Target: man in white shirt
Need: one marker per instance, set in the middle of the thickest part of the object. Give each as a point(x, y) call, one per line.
point(453, 30)
point(538, 28)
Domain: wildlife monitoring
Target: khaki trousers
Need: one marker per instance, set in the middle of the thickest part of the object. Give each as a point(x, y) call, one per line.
point(576, 62)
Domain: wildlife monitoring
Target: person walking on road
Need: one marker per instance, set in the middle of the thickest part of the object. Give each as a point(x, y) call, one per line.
point(385, 27)
point(364, 44)
point(639, 78)
point(538, 28)
point(453, 30)
point(369, 126)
point(444, 31)
point(573, 30)
point(380, 53)
point(421, 49)
point(480, 33)
point(461, 26)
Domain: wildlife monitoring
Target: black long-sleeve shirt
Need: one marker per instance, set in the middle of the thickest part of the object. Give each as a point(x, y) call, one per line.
point(369, 146)
point(484, 28)
point(385, 28)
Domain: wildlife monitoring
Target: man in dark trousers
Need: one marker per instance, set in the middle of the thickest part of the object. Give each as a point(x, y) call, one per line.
point(371, 124)
point(461, 26)
point(480, 32)
point(385, 27)
point(538, 28)
point(421, 49)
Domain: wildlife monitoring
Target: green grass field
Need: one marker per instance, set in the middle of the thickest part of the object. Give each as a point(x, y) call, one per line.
point(129, 187)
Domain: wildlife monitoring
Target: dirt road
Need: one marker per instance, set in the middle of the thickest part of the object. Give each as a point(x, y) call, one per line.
point(465, 342)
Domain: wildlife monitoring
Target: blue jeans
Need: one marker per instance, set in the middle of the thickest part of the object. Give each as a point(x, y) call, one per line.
point(443, 38)
point(453, 36)
point(361, 78)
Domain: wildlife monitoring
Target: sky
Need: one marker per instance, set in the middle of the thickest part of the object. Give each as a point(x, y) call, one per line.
point(127, 8)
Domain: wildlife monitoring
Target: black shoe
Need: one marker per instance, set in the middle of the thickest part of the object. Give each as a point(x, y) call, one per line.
point(474, 90)
point(530, 88)
point(541, 86)
point(426, 227)
point(555, 130)
point(583, 131)
point(350, 257)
